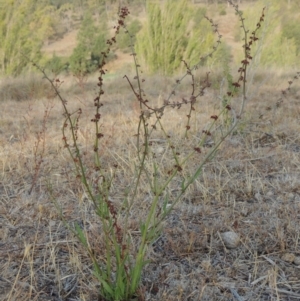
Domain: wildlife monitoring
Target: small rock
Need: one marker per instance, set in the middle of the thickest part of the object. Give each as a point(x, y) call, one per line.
point(290, 196)
point(231, 239)
point(244, 211)
point(258, 196)
point(52, 223)
point(269, 193)
point(297, 260)
point(288, 257)
point(159, 150)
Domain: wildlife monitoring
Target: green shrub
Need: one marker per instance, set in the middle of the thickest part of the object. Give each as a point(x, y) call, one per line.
point(57, 64)
point(24, 27)
point(279, 44)
point(281, 52)
point(167, 39)
point(124, 40)
point(199, 15)
point(87, 55)
point(24, 87)
point(291, 30)
point(222, 10)
point(163, 39)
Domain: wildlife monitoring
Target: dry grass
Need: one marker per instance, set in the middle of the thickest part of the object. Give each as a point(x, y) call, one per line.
point(252, 187)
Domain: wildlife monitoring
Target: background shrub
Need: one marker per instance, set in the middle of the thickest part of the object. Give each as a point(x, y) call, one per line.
point(24, 88)
point(291, 31)
point(123, 38)
point(57, 64)
point(222, 10)
point(278, 44)
point(87, 56)
point(165, 40)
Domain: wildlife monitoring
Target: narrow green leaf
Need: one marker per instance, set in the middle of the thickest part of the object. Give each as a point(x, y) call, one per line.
point(106, 286)
point(81, 235)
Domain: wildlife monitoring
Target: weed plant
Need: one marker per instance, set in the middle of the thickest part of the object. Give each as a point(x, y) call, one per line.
point(155, 181)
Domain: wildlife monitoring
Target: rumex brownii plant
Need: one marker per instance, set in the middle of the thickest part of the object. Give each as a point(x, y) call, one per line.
point(119, 274)
point(39, 148)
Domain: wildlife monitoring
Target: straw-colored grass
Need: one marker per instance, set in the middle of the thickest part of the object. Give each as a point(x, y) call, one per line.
point(251, 187)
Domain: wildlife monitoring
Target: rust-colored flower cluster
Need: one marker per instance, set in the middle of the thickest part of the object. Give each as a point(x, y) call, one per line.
point(247, 47)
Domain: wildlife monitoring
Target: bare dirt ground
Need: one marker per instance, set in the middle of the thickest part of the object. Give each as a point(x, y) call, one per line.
point(62, 47)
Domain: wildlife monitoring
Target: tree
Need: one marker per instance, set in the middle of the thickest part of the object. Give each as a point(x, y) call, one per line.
point(87, 56)
point(163, 39)
point(124, 39)
point(23, 27)
point(168, 38)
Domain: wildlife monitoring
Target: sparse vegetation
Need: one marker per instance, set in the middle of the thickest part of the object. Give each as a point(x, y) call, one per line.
point(277, 48)
point(159, 188)
point(222, 10)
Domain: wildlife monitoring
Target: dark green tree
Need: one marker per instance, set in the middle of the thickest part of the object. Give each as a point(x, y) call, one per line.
point(24, 27)
point(57, 64)
point(124, 40)
point(87, 56)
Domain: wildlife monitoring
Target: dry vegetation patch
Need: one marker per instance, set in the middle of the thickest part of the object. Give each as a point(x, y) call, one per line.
point(251, 187)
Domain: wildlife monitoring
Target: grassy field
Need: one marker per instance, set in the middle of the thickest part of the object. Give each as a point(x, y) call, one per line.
point(251, 187)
